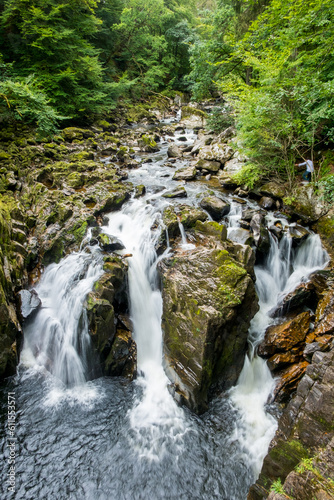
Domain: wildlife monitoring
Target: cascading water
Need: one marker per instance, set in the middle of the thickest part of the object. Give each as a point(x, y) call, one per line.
point(284, 269)
point(57, 339)
point(133, 441)
point(156, 406)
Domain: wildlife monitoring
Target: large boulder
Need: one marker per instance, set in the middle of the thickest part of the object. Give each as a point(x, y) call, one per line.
point(216, 152)
point(208, 302)
point(114, 346)
point(174, 151)
point(216, 207)
point(211, 166)
point(185, 174)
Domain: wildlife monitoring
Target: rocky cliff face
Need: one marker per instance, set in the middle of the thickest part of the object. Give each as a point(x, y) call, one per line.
point(301, 455)
point(209, 300)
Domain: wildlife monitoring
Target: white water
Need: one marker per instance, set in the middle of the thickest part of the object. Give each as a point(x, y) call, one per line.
point(184, 242)
point(57, 340)
point(284, 269)
point(155, 413)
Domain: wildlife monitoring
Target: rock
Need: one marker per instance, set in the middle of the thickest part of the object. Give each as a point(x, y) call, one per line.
point(107, 294)
point(288, 380)
point(29, 303)
point(324, 316)
point(286, 335)
point(178, 192)
point(174, 151)
point(109, 243)
point(216, 207)
point(140, 191)
point(241, 235)
point(72, 133)
point(305, 205)
point(305, 427)
point(211, 166)
point(280, 360)
point(231, 167)
point(273, 190)
point(260, 234)
point(208, 302)
point(185, 174)
point(212, 228)
point(217, 152)
point(303, 295)
point(122, 359)
point(267, 203)
point(298, 234)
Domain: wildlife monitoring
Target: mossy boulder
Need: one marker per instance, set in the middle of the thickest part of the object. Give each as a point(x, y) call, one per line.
point(208, 302)
point(76, 134)
point(115, 348)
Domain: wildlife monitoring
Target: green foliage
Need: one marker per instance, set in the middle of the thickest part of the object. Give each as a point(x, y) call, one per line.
point(49, 39)
point(277, 487)
point(220, 118)
point(249, 175)
point(273, 60)
point(327, 187)
point(23, 100)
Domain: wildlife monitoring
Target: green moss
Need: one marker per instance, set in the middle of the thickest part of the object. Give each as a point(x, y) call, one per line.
point(211, 228)
point(55, 253)
point(79, 231)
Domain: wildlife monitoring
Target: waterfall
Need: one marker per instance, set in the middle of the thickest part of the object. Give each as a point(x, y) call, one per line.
point(155, 407)
point(57, 339)
point(284, 269)
point(184, 242)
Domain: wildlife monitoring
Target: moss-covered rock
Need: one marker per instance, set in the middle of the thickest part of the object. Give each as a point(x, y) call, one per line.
point(209, 301)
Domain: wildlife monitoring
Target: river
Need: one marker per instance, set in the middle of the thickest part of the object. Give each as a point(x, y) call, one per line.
point(81, 437)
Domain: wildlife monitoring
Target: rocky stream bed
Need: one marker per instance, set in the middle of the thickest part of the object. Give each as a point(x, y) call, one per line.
point(210, 244)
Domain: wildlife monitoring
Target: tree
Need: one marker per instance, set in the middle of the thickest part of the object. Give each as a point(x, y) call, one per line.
point(49, 39)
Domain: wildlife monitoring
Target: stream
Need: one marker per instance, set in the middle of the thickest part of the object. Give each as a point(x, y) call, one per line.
point(85, 438)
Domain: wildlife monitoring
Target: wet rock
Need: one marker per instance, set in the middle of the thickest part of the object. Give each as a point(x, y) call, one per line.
point(178, 192)
point(243, 236)
point(109, 243)
point(298, 234)
point(280, 360)
point(212, 228)
point(277, 231)
point(216, 207)
point(303, 295)
point(231, 167)
point(324, 316)
point(305, 427)
point(208, 302)
point(140, 191)
point(107, 295)
point(286, 335)
point(29, 303)
point(174, 151)
point(185, 174)
point(288, 380)
point(267, 203)
point(211, 166)
point(260, 234)
point(122, 359)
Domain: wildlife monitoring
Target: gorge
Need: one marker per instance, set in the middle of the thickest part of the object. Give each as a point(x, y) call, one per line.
point(155, 282)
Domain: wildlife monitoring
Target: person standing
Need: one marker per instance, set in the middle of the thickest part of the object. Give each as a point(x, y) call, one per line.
point(309, 169)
